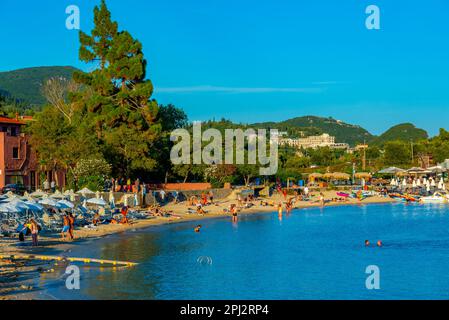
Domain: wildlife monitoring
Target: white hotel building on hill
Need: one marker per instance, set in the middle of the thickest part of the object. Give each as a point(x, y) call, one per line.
point(324, 140)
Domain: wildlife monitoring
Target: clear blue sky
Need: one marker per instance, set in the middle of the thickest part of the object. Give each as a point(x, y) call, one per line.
point(255, 60)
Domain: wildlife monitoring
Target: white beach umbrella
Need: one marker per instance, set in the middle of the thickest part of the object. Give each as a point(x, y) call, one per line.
point(85, 191)
point(424, 181)
point(64, 204)
point(393, 182)
point(432, 184)
point(414, 184)
point(111, 200)
point(97, 201)
point(8, 208)
point(48, 202)
point(418, 182)
point(428, 188)
point(34, 206)
point(404, 183)
point(38, 193)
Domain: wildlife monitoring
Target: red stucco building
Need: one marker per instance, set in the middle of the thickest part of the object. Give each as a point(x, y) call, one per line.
point(18, 162)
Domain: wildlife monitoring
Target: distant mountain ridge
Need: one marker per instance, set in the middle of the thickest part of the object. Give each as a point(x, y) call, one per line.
point(343, 132)
point(25, 84)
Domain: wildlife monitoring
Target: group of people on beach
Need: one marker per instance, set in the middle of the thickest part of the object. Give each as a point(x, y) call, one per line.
point(68, 226)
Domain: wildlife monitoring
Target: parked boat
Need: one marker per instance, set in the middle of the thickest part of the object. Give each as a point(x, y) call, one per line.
point(437, 197)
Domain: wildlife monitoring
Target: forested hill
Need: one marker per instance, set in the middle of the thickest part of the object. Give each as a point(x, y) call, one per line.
point(342, 131)
point(402, 132)
point(24, 85)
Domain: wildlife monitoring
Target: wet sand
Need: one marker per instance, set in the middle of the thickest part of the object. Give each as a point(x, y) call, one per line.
point(18, 275)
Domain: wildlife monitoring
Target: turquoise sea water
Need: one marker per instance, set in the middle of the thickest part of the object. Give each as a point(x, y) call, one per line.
point(310, 254)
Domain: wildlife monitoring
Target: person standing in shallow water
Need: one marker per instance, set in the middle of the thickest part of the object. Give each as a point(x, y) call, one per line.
point(321, 199)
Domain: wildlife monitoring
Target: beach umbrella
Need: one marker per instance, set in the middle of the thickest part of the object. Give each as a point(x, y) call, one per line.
point(393, 182)
point(427, 188)
point(38, 193)
point(57, 195)
point(391, 170)
point(404, 183)
point(414, 183)
point(34, 206)
point(97, 201)
point(84, 204)
point(48, 202)
point(418, 182)
point(432, 184)
point(8, 208)
point(64, 204)
point(111, 200)
point(362, 175)
point(85, 191)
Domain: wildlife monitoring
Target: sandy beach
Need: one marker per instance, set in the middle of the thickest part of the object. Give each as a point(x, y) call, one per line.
point(16, 284)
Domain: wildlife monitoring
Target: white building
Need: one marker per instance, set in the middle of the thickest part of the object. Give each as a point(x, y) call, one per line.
point(324, 140)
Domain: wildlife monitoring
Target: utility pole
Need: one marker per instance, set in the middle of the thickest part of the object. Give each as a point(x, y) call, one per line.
point(364, 156)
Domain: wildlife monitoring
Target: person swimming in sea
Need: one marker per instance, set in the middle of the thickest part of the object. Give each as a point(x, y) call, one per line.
point(379, 243)
point(367, 243)
point(197, 228)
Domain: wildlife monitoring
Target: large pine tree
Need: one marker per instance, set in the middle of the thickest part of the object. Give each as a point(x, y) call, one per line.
point(116, 95)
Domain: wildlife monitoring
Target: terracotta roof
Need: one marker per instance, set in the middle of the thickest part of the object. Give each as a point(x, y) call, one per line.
point(10, 121)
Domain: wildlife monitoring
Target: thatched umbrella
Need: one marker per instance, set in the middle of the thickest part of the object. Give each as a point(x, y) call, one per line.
point(336, 176)
point(328, 175)
point(362, 175)
point(314, 176)
point(341, 176)
point(402, 173)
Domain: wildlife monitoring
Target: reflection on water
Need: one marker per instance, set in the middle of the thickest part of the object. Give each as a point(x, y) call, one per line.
point(314, 253)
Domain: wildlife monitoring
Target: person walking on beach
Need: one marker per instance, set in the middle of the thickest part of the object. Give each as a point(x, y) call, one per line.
point(65, 226)
point(46, 185)
point(306, 191)
point(211, 197)
point(124, 214)
point(71, 226)
point(34, 232)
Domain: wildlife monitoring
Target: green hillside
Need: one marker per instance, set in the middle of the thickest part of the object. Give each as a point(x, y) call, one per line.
point(403, 132)
point(342, 131)
point(25, 84)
